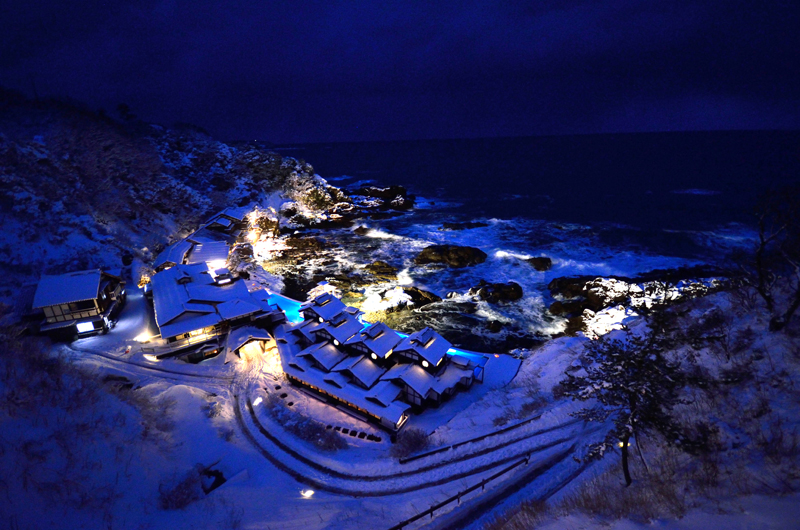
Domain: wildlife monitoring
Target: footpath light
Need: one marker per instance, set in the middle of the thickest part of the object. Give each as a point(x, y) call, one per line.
point(257, 401)
point(151, 358)
point(143, 337)
point(307, 494)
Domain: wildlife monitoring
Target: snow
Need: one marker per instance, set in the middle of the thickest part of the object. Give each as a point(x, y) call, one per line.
point(200, 401)
point(66, 288)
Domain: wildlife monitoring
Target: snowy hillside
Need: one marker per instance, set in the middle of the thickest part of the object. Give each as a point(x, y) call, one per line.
point(79, 189)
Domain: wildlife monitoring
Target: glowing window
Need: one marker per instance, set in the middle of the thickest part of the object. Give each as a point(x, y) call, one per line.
point(85, 327)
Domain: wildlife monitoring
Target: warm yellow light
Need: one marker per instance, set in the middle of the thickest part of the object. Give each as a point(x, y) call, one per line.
point(425, 364)
point(216, 264)
point(307, 493)
point(143, 337)
point(252, 235)
point(151, 358)
point(257, 401)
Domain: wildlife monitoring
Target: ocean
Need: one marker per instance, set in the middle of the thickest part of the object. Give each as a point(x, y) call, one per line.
point(603, 205)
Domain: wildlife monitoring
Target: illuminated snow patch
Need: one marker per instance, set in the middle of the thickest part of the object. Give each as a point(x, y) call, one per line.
point(404, 278)
point(267, 248)
point(607, 320)
point(502, 254)
point(380, 234)
point(391, 298)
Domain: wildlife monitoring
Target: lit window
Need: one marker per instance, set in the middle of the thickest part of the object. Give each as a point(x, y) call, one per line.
point(85, 327)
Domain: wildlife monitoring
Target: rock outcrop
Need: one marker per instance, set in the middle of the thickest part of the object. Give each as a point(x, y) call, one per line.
point(497, 292)
point(382, 271)
point(391, 197)
point(541, 264)
point(462, 226)
point(451, 255)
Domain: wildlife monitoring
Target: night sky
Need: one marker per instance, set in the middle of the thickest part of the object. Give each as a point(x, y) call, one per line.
point(366, 70)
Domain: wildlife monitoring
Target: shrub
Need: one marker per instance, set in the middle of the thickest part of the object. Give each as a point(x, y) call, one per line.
point(411, 440)
point(182, 494)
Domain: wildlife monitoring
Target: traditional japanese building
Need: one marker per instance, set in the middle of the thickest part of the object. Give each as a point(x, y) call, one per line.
point(79, 303)
point(193, 305)
point(371, 369)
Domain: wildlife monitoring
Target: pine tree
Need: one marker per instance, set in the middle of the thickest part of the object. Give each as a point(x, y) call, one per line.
point(630, 379)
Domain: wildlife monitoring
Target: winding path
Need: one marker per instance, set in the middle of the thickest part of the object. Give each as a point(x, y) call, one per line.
point(543, 449)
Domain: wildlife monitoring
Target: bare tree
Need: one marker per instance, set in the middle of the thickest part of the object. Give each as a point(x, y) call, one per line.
point(775, 271)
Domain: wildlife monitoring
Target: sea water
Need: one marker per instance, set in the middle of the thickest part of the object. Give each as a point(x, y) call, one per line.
point(605, 205)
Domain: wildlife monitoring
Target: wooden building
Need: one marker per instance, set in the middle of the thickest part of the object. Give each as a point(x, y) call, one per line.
point(79, 303)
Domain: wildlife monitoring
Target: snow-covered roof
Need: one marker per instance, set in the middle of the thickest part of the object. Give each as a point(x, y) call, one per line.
point(300, 368)
point(384, 392)
point(213, 293)
point(234, 213)
point(262, 298)
point(208, 252)
point(222, 221)
point(189, 322)
point(452, 375)
point(412, 375)
point(188, 294)
point(204, 235)
point(173, 254)
point(336, 379)
point(236, 308)
point(306, 329)
point(347, 363)
point(238, 337)
point(341, 327)
point(324, 353)
point(428, 344)
point(325, 306)
point(66, 288)
point(169, 295)
point(366, 371)
point(379, 338)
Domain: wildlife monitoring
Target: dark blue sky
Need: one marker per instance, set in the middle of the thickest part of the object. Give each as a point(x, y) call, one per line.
point(367, 70)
